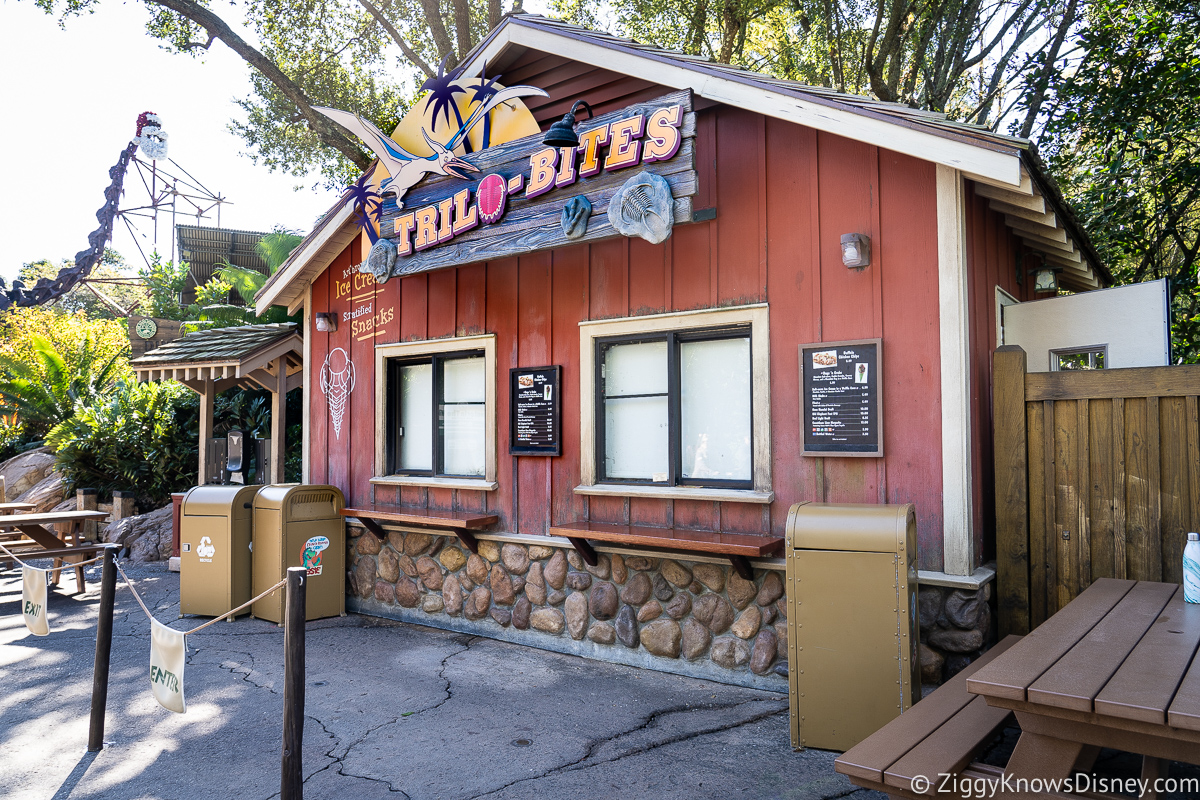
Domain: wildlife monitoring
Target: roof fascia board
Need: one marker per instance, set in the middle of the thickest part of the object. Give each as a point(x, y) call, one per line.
point(315, 252)
point(999, 166)
point(265, 355)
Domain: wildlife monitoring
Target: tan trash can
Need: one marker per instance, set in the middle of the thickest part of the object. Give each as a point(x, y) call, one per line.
point(298, 525)
point(853, 664)
point(214, 549)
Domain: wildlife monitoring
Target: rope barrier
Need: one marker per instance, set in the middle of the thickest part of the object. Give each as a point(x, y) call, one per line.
point(201, 627)
point(8, 554)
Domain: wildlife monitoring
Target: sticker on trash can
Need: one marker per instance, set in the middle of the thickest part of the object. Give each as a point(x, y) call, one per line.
point(205, 550)
point(312, 554)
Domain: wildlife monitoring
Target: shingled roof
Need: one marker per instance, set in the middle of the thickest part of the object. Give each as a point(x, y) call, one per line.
point(1006, 167)
point(233, 354)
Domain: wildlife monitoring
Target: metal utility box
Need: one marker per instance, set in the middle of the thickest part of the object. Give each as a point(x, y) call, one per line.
point(299, 525)
point(215, 526)
point(853, 664)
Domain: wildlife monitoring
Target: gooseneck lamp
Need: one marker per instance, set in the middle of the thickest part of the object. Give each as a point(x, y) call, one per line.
point(562, 133)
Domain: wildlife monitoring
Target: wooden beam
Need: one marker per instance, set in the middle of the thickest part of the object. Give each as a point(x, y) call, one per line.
point(278, 421)
point(206, 426)
point(1049, 218)
point(295, 380)
point(1039, 243)
point(1033, 202)
point(1037, 229)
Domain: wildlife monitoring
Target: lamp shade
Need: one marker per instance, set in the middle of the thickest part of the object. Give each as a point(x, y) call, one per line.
point(562, 133)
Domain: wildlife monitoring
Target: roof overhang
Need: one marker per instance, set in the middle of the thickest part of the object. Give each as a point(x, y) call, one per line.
point(328, 239)
point(981, 160)
point(257, 369)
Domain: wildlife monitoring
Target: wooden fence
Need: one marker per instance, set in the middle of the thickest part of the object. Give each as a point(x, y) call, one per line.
point(1097, 475)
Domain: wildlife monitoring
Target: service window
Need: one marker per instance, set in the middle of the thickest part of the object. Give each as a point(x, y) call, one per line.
point(1078, 358)
point(436, 415)
point(675, 409)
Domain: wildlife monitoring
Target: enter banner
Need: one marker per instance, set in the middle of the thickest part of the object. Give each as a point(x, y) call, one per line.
point(168, 653)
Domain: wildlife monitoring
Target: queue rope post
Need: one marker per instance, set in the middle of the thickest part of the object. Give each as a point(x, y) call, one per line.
point(104, 628)
point(291, 774)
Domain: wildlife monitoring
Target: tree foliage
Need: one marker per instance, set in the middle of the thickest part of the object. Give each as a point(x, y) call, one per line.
point(51, 387)
point(111, 278)
point(1123, 139)
point(142, 438)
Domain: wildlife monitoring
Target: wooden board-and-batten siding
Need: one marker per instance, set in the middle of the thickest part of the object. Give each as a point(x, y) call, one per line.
point(784, 194)
point(1097, 475)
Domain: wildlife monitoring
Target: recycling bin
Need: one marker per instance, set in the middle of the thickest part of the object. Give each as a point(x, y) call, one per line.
point(853, 664)
point(214, 549)
point(299, 525)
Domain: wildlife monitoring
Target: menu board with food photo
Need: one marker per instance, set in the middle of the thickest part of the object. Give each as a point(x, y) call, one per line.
point(839, 398)
point(536, 422)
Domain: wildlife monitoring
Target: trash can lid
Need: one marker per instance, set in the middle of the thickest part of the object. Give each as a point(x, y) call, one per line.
point(215, 500)
point(844, 526)
point(301, 500)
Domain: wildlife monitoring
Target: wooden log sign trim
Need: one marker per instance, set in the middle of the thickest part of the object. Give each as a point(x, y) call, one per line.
point(441, 224)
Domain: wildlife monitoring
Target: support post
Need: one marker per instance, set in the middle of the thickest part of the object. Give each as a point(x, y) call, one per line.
point(1012, 489)
point(291, 785)
point(87, 500)
point(207, 398)
point(278, 419)
point(104, 626)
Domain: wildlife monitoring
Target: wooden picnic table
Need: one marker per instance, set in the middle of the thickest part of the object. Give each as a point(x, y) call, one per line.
point(34, 527)
point(14, 508)
point(1116, 667)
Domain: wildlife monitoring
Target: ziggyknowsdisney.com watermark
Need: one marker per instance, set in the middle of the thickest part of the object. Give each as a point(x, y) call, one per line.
point(978, 787)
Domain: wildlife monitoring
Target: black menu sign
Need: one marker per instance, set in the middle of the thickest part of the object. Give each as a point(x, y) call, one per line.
point(839, 398)
point(536, 419)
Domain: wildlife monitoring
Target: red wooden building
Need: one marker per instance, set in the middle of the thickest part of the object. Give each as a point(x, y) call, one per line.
point(752, 271)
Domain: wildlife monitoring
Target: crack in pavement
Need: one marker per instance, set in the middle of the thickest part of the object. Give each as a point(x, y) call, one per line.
point(466, 642)
point(583, 762)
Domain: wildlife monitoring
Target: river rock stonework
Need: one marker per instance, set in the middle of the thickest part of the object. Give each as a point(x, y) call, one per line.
point(956, 628)
point(695, 618)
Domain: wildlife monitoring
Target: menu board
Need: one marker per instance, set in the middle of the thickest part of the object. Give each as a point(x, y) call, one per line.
point(535, 427)
point(839, 398)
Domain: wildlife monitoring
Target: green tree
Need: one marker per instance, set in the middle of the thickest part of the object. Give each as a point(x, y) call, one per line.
point(1123, 140)
point(50, 391)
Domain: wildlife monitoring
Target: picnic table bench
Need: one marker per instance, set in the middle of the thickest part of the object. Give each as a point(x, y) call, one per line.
point(941, 734)
point(34, 536)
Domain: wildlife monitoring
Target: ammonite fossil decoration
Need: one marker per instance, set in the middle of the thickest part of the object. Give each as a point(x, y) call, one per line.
point(644, 207)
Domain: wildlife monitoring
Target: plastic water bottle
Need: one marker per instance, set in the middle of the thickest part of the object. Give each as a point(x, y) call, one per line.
point(1191, 569)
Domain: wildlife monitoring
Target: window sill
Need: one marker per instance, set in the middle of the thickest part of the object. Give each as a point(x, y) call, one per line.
point(676, 493)
point(476, 484)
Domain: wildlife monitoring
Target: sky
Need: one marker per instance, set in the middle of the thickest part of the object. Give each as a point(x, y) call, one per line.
point(75, 95)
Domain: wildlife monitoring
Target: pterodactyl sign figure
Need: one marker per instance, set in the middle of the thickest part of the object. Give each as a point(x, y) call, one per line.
point(406, 169)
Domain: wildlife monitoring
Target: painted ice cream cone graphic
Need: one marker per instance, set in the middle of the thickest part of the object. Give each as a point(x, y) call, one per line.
point(337, 382)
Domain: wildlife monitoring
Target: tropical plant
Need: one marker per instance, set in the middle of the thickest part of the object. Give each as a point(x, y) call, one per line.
point(142, 438)
point(44, 394)
point(275, 247)
point(66, 331)
point(165, 282)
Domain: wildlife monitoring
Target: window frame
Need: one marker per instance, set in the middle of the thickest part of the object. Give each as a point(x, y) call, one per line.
point(754, 317)
point(432, 351)
point(1091, 351)
point(674, 340)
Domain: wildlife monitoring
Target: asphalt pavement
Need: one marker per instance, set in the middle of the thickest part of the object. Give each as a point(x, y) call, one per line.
point(392, 711)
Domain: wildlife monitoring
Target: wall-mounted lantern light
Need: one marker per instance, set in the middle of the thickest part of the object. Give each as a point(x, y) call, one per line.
point(326, 323)
point(1046, 279)
point(856, 250)
point(562, 133)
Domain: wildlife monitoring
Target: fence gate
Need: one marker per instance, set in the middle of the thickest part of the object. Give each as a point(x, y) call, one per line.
point(1097, 475)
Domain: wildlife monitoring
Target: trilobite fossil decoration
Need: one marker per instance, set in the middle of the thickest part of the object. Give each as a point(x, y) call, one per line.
point(644, 207)
point(380, 260)
point(575, 216)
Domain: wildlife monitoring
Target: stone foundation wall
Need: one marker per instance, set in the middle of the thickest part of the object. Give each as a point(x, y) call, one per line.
point(691, 618)
point(956, 627)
